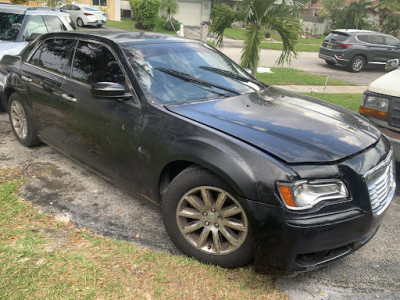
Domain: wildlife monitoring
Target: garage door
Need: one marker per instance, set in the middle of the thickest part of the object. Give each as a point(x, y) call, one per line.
point(189, 13)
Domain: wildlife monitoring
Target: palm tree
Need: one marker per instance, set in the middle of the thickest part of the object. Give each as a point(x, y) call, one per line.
point(171, 6)
point(384, 9)
point(257, 15)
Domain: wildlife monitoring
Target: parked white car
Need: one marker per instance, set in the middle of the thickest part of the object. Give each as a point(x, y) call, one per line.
point(380, 104)
point(85, 14)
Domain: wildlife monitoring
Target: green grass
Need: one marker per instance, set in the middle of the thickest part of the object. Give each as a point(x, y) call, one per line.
point(129, 24)
point(349, 101)
point(308, 45)
point(293, 76)
point(42, 258)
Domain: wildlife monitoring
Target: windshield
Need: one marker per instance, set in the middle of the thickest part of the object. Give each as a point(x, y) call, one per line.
point(183, 72)
point(10, 25)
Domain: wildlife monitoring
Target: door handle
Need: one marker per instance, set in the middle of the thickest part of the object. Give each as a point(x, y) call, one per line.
point(69, 98)
point(27, 79)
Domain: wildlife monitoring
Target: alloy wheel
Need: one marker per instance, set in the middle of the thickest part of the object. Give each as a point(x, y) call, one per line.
point(18, 119)
point(211, 220)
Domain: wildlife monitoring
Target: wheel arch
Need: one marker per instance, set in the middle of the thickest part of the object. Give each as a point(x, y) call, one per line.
point(6, 96)
point(232, 165)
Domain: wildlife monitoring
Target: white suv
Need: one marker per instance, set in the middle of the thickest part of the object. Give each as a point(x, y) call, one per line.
point(380, 104)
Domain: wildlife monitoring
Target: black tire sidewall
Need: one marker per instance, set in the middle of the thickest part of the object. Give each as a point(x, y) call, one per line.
point(352, 61)
point(31, 138)
point(187, 180)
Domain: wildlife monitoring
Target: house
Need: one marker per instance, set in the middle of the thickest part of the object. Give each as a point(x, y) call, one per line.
point(190, 12)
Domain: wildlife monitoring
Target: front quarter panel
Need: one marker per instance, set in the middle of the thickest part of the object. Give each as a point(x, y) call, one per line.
point(168, 137)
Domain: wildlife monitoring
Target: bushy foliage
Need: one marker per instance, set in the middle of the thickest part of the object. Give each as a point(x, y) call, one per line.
point(146, 13)
point(19, 1)
point(172, 25)
point(392, 25)
point(223, 11)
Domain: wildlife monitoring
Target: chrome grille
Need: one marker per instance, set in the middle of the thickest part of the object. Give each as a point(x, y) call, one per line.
point(381, 185)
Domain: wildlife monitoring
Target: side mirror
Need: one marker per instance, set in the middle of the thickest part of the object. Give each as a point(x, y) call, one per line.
point(392, 64)
point(108, 90)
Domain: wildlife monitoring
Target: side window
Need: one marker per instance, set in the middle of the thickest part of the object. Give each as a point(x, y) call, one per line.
point(54, 23)
point(376, 39)
point(66, 7)
point(35, 57)
point(392, 41)
point(363, 38)
point(95, 63)
point(35, 25)
point(55, 55)
point(74, 7)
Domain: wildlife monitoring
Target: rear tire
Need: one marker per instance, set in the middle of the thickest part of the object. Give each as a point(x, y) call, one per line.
point(205, 219)
point(99, 25)
point(21, 122)
point(79, 22)
point(331, 63)
point(356, 64)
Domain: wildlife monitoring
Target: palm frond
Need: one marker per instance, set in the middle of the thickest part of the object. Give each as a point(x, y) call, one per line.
point(280, 18)
point(251, 48)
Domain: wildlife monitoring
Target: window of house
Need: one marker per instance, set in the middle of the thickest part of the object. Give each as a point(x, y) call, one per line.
point(99, 3)
point(95, 63)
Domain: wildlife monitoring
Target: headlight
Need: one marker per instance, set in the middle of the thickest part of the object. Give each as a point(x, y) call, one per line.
point(305, 194)
point(374, 106)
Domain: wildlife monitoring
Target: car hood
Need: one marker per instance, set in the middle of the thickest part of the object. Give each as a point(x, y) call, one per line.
point(387, 84)
point(290, 126)
point(11, 47)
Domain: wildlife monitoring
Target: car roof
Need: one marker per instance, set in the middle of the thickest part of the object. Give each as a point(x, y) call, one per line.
point(349, 31)
point(122, 37)
point(23, 9)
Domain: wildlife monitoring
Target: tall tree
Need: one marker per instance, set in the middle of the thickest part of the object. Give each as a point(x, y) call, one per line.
point(170, 6)
point(332, 9)
point(353, 15)
point(258, 15)
point(384, 8)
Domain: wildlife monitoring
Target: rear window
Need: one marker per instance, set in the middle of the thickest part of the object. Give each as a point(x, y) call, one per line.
point(88, 8)
point(336, 37)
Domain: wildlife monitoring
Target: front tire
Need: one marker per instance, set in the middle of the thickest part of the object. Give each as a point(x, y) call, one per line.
point(357, 64)
point(205, 219)
point(21, 122)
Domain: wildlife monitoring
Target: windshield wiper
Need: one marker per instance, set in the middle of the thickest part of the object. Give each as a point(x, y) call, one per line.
point(188, 78)
point(232, 75)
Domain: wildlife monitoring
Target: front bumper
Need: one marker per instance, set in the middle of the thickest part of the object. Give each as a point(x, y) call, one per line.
point(297, 241)
point(301, 244)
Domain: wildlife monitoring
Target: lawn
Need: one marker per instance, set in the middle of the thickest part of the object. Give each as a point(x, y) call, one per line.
point(43, 258)
point(349, 101)
point(129, 24)
point(309, 45)
point(293, 76)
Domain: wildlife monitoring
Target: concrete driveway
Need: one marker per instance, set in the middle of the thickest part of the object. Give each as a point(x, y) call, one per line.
point(63, 188)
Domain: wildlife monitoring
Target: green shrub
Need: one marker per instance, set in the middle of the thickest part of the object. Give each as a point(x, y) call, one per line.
point(176, 25)
point(146, 13)
point(224, 11)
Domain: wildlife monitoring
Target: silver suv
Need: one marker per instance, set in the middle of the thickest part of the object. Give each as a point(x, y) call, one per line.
point(21, 24)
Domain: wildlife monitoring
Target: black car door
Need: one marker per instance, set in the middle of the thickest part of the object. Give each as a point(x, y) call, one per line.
point(101, 131)
point(43, 75)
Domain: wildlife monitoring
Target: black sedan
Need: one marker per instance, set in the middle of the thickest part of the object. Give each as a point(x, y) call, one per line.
point(241, 170)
